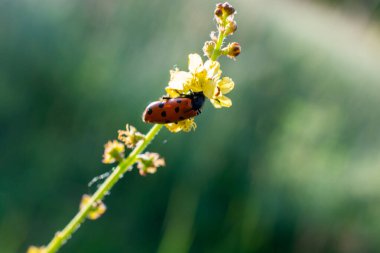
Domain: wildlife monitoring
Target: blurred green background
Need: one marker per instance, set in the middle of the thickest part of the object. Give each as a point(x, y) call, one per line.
point(293, 166)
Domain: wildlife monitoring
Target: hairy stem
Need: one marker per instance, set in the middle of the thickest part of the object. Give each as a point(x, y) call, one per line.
point(62, 236)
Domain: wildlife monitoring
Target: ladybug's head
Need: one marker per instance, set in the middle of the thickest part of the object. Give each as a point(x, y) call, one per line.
point(197, 98)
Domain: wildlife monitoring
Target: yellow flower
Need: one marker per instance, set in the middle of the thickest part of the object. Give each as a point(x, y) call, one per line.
point(97, 209)
point(177, 82)
point(223, 86)
point(113, 151)
point(185, 125)
point(149, 162)
point(202, 77)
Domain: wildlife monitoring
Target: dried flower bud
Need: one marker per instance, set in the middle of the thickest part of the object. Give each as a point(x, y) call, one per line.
point(218, 12)
point(208, 48)
point(222, 11)
point(149, 162)
point(228, 9)
point(131, 137)
point(34, 249)
point(232, 50)
point(113, 152)
point(97, 209)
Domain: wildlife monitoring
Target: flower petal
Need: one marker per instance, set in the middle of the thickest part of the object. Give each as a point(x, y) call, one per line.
point(225, 101)
point(194, 86)
point(195, 62)
point(173, 93)
point(213, 69)
point(178, 79)
point(215, 103)
point(221, 101)
point(226, 85)
point(209, 88)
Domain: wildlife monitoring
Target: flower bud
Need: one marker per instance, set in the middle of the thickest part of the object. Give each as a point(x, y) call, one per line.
point(232, 50)
point(113, 151)
point(97, 209)
point(130, 136)
point(208, 48)
point(228, 9)
point(231, 27)
point(149, 162)
point(218, 11)
point(223, 11)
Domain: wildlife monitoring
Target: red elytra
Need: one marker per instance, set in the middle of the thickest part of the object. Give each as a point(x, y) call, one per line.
point(173, 110)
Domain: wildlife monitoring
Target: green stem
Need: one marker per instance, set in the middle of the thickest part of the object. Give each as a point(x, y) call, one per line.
point(62, 236)
point(218, 46)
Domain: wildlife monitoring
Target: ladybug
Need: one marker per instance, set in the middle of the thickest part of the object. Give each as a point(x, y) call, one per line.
point(172, 110)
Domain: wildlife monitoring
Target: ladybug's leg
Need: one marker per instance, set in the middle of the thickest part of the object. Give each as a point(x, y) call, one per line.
point(165, 98)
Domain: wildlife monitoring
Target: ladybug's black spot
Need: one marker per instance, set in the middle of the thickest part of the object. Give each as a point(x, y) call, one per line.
point(163, 114)
point(179, 101)
point(150, 111)
point(176, 109)
point(167, 121)
point(161, 105)
point(181, 118)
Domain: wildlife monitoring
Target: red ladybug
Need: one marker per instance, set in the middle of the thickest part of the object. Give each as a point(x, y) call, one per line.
point(172, 110)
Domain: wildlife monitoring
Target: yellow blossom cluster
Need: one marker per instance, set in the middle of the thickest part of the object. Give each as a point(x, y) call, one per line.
point(201, 77)
point(206, 77)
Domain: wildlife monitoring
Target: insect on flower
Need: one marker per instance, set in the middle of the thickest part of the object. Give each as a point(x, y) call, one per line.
point(172, 110)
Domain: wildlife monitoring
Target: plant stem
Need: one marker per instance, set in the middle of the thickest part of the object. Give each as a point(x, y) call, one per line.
point(218, 45)
point(62, 236)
